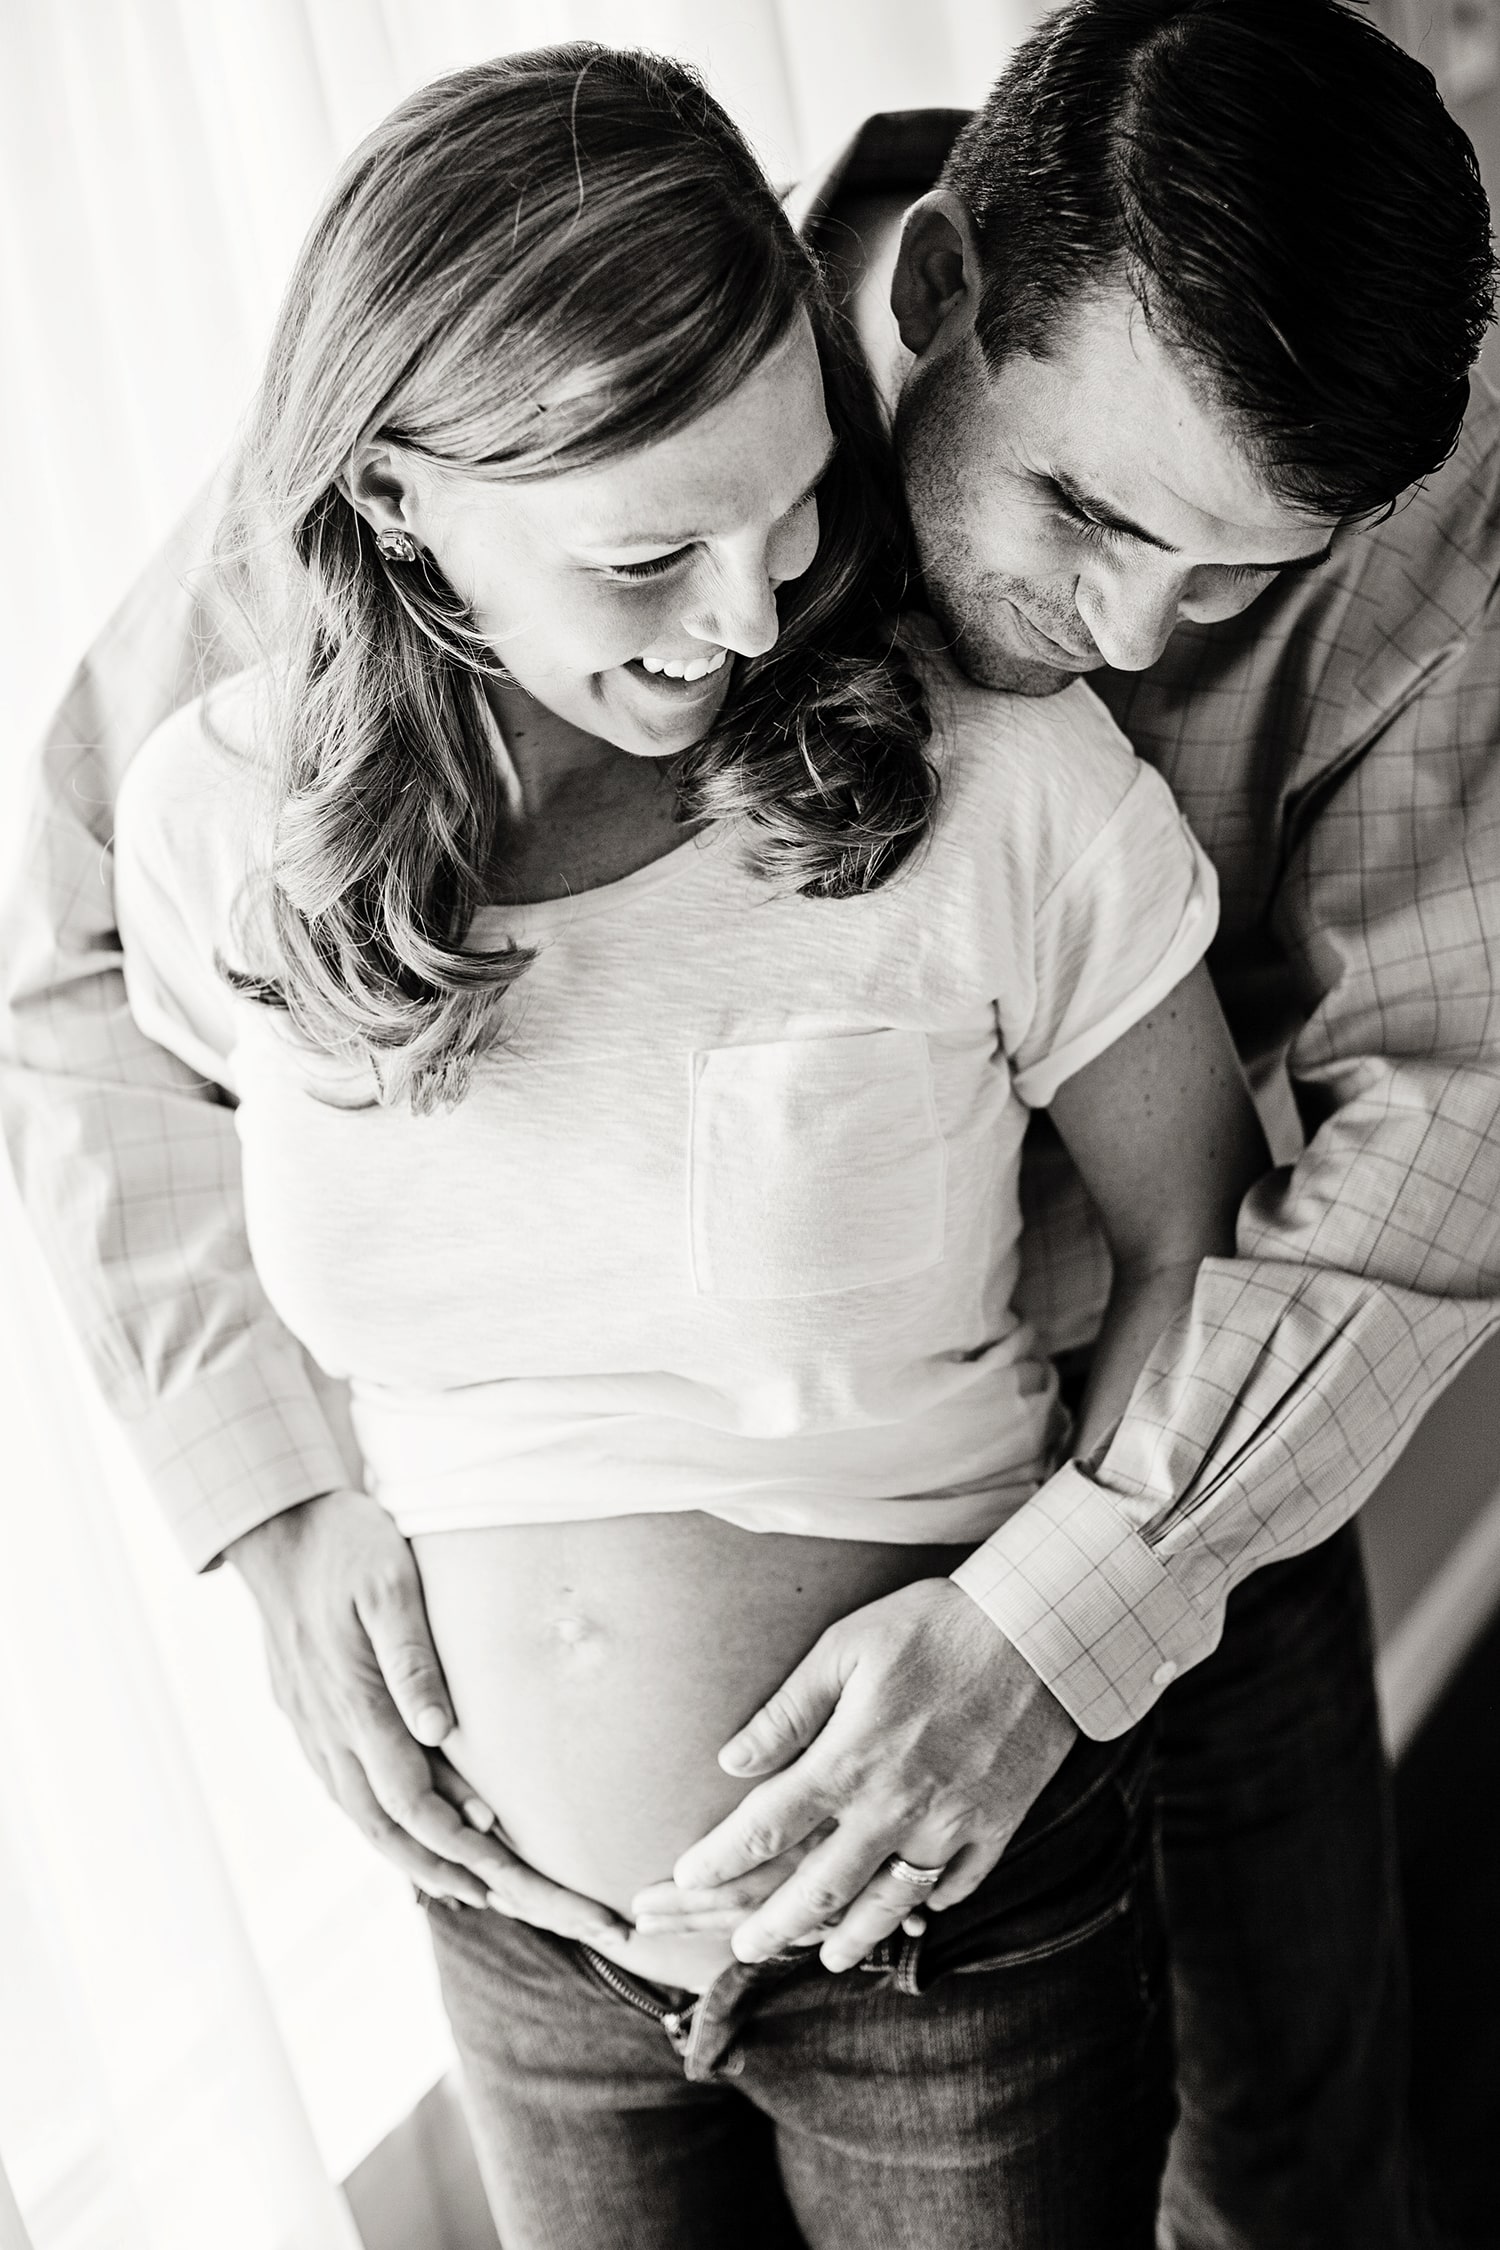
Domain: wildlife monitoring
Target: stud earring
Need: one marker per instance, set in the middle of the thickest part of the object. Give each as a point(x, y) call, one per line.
point(396, 546)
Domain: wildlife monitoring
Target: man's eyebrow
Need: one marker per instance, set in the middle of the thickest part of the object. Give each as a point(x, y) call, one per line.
point(1088, 504)
point(1301, 562)
point(682, 538)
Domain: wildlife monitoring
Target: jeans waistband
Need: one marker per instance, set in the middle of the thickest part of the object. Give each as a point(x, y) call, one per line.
point(1089, 1769)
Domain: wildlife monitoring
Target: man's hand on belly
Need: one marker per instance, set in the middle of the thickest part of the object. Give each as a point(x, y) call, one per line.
point(918, 1728)
point(354, 1669)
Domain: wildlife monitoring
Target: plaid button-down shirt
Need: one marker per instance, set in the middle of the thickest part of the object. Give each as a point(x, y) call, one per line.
point(1337, 749)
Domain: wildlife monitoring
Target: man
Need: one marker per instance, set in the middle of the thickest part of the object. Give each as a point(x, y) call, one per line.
point(1194, 301)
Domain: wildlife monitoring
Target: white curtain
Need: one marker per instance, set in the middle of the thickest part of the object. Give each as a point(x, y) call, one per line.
point(213, 1999)
point(1459, 40)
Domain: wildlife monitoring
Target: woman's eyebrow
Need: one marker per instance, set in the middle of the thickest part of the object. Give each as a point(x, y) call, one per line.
point(813, 482)
point(637, 538)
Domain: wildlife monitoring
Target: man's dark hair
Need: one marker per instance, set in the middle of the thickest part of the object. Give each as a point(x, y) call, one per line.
point(1289, 200)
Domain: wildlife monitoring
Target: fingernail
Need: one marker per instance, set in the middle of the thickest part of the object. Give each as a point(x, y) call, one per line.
point(500, 1906)
point(914, 1925)
point(432, 1724)
point(478, 1815)
point(749, 1950)
point(736, 1756)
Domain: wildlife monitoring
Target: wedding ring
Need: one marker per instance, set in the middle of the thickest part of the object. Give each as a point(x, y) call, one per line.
point(920, 1878)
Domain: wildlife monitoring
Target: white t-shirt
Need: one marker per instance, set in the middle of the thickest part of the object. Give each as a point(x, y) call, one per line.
point(730, 1220)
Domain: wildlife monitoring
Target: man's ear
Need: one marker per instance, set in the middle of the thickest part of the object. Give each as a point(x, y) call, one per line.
point(380, 486)
point(936, 282)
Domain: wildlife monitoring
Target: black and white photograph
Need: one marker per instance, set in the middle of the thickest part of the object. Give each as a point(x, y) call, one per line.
point(749, 1125)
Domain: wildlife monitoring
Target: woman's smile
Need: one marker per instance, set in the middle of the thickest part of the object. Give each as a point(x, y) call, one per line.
point(701, 681)
point(686, 667)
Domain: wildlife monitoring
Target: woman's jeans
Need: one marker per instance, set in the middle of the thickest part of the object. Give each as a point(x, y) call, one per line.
point(1003, 2081)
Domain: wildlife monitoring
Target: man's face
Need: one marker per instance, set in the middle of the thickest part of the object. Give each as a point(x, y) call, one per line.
point(1071, 510)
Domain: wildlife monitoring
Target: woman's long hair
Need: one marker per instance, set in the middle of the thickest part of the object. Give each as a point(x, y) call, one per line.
point(531, 267)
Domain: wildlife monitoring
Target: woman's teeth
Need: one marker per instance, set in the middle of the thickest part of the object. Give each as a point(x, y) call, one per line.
point(698, 669)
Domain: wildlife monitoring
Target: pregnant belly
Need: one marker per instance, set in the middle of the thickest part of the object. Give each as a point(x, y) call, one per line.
point(596, 1668)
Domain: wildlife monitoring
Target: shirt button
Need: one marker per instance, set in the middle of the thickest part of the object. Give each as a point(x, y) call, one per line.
point(1164, 1673)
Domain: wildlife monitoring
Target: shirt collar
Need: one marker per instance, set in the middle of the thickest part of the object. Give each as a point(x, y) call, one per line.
point(1425, 579)
point(896, 148)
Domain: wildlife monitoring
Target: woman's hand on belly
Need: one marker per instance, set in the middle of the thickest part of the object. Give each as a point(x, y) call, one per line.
point(353, 1668)
point(596, 1667)
point(667, 1909)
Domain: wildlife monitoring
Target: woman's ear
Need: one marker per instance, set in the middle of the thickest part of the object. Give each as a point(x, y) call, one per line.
point(936, 283)
point(379, 485)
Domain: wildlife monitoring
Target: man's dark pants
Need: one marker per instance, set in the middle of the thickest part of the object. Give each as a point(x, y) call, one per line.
point(1277, 1855)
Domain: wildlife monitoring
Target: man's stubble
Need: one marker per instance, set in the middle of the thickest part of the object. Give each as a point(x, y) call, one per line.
point(940, 406)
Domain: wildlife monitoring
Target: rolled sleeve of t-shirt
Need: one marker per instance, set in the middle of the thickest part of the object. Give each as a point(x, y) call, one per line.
point(1124, 925)
point(184, 822)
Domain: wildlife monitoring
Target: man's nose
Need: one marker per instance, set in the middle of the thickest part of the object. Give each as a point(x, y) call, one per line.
point(1131, 618)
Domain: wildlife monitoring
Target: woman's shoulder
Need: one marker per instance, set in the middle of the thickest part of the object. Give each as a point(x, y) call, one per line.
point(218, 743)
point(196, 792)
point(1041, 773)
point(193, 821)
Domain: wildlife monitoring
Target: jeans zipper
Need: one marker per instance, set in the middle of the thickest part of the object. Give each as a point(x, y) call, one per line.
point(677, 2023)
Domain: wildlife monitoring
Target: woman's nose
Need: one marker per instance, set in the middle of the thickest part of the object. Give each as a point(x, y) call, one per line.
point(741, 613)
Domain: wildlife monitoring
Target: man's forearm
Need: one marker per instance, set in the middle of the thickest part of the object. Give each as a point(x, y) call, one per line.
point(133, 1192)
point(1264, 1418)
point(128, 1163)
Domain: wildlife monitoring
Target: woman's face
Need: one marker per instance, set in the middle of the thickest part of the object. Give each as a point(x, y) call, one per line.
point(618, 597)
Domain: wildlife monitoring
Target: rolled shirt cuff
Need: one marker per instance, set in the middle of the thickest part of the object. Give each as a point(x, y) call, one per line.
point(1082, 1596)
point(237, 1446)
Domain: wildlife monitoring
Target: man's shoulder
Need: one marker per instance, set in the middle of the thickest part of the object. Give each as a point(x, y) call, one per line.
point(1440, 546)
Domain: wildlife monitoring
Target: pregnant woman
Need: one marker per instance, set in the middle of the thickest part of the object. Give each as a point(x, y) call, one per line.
point(634, 953)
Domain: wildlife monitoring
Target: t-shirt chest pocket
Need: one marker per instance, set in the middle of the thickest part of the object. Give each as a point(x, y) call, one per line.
point(815, 1165)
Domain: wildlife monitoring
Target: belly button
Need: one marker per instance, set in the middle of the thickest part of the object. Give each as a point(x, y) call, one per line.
point(574, 1632)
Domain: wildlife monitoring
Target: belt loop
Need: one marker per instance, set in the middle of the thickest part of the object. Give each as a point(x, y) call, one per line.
point(908, 1966)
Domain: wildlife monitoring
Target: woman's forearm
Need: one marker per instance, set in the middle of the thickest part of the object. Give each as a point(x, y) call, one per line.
point(1142, 1305)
